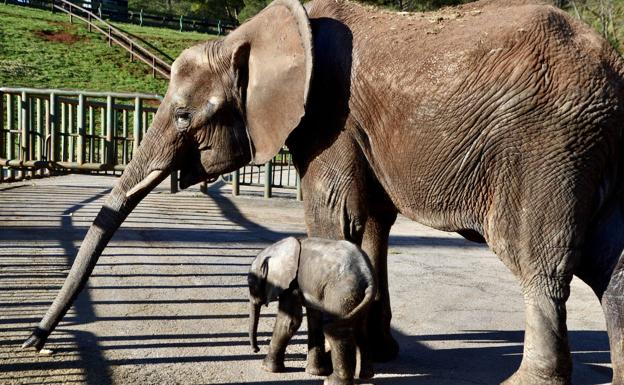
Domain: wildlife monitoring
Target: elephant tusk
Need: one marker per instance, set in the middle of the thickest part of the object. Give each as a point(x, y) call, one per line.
point(145, 183)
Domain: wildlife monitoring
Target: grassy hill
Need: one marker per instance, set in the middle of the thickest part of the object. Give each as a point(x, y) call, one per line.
point(41, 49)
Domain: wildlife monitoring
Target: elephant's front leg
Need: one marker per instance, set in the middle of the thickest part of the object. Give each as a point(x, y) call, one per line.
point(375, 243)
point(546, 358)
point(287, 322)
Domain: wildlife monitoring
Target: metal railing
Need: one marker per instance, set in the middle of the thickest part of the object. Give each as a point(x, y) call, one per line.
point(48, 131)
point(60, 130)
point(112, 33)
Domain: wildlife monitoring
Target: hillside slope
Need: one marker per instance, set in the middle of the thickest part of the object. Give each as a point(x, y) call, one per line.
point(41, 49)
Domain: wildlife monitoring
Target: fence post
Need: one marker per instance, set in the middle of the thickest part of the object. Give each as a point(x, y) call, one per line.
point(53, 127)
point(92, 134)
point(70, 131)
point(40, 143)
point(51, 3)
point(24, 137)
point(1, 125)
point(174, 182)
point(181, 22)
point(141, 18)
point(81, 128)
point(235, 183)
point(24, 122)
point(89, 21)
point(109, 130)
point(268, 178)
point(136, 128)
point(1, 132)
point(299, 191)
point(131, 51)
point(9, 126)
point(110, 42)
point(153, 67)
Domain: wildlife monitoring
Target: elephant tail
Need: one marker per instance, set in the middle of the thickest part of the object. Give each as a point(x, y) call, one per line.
point(360, 309)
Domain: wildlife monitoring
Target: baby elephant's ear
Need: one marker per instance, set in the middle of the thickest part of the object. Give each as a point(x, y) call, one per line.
point(283, 265)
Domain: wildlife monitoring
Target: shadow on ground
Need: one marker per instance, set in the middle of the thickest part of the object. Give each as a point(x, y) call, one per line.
point(31, 273)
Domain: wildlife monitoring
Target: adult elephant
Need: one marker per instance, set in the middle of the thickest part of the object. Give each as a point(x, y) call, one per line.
point(500, 121)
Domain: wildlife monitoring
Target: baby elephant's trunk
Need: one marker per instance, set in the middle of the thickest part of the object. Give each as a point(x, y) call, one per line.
point(254, 317)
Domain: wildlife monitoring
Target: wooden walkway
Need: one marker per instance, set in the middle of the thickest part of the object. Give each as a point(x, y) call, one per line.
point(167, 303)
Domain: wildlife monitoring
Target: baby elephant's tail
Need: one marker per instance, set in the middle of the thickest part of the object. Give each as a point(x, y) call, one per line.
point(360, 309)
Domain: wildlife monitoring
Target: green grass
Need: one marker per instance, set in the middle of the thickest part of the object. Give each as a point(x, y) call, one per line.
point(43, 50)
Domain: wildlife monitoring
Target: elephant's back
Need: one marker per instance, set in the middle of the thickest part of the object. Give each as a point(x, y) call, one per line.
point(405, 50)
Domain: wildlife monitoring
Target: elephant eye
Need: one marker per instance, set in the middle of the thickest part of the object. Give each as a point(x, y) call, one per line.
point(182, 120)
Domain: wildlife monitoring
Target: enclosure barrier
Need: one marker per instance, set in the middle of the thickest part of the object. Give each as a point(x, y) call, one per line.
point(48, 131)
point(105, 10)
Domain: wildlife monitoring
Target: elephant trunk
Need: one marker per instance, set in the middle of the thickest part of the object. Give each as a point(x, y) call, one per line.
point(254, 317)
point(138, 179)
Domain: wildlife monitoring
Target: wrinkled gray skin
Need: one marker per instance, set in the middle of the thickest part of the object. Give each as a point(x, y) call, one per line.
point(335, 283)
point(499, 120)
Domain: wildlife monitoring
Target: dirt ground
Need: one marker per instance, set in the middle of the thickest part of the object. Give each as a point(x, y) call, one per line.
point(167, 301)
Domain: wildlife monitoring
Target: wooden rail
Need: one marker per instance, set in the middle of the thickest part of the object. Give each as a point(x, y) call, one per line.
point(43, 130)
point(50, 131)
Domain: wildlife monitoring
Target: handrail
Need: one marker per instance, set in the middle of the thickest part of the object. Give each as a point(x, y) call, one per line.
point(47, 131)
point(67, 92)
point(119, 37)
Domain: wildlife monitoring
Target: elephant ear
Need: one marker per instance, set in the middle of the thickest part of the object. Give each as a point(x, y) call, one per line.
point(272, 54)
point(282, 260)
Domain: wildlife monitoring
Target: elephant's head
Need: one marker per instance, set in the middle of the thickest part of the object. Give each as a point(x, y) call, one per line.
point(229, 101)
point(272, 272)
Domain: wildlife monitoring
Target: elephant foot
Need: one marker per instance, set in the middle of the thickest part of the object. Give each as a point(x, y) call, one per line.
point(335, 380)
point(319, 365)
point(37, 339)
point(366, 372)
point(384, 347)
point(272, 365)
point(525, 377)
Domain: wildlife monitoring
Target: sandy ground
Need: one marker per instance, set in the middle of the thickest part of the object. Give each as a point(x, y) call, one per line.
point(167, 301)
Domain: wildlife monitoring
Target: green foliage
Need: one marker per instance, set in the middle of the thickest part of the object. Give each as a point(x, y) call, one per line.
point(213, 9)
point(41, 49)
point(606, 16)
point(251, 8)
point(415, 5)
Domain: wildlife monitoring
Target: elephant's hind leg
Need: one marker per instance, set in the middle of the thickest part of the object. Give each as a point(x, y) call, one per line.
point(546, 358)
point(602, 268)
point(343, 354)
point(613, 307)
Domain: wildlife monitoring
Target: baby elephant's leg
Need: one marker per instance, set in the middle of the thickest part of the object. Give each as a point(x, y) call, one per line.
point(287, 322)
point(319, 363)
point(363, 346)
point(342, 343)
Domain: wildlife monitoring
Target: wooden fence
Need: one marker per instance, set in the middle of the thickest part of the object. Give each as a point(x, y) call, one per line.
point(46, 131)
point(162, 20)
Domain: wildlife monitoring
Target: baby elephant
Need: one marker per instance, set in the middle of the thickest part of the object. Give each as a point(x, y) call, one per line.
point(334, 281)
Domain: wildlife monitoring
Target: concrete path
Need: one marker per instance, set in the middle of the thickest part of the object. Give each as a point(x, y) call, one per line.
point(167, 301)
